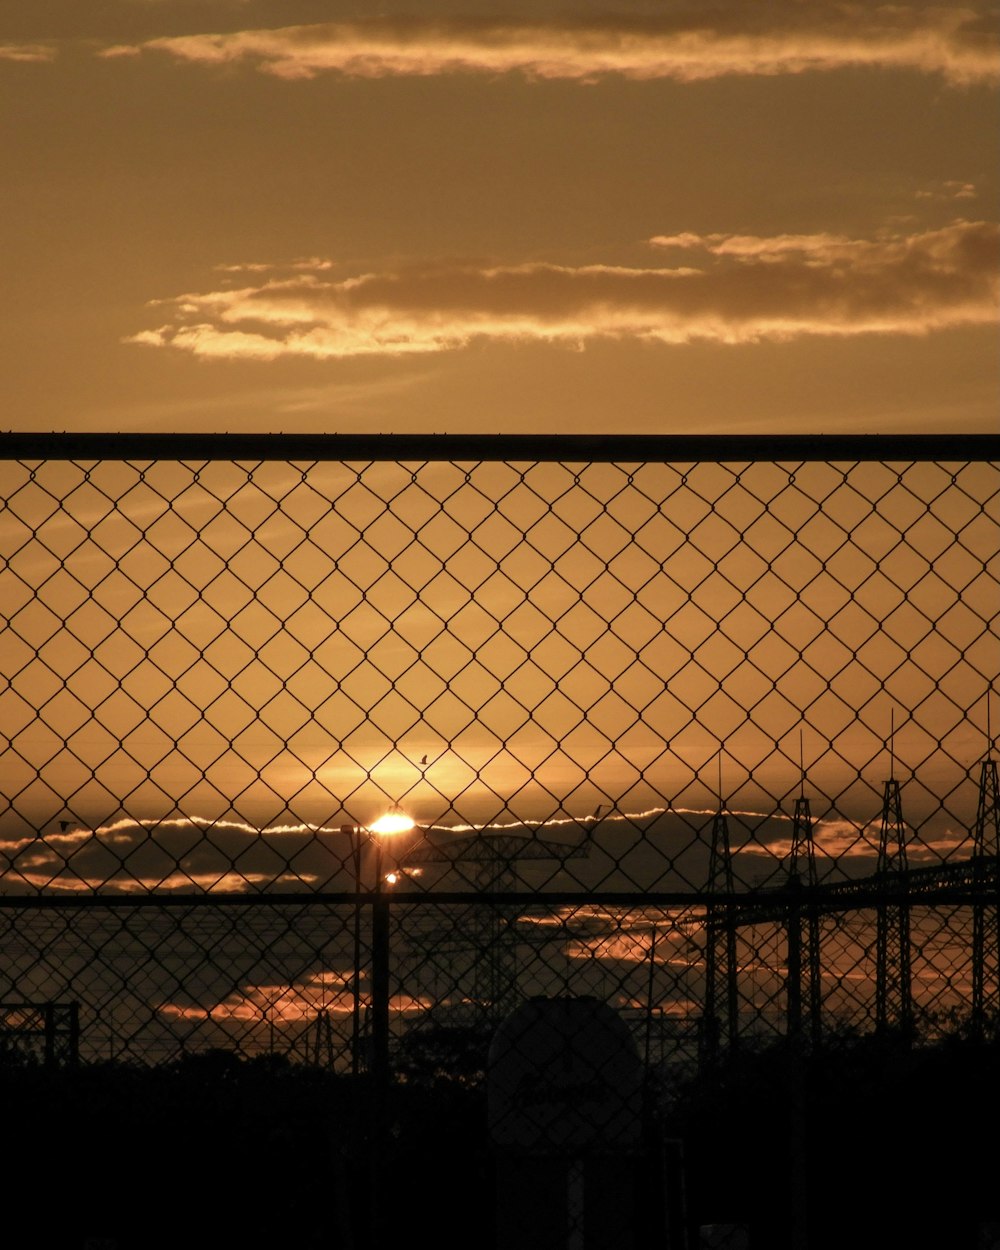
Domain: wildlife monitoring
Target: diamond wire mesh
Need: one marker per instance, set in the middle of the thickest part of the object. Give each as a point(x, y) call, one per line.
point(217, 673)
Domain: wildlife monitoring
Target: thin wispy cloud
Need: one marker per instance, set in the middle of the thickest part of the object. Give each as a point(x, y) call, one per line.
point(310, 265)
point(720, 288)
point(136, 857)
point(693, 43)
point(27, 52)
point(284, 1005)
point(950, 189)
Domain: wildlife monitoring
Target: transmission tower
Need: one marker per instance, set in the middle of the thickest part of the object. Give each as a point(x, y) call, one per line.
point(489, 862)
point(322, 1040)
point(720, 1022)
point(803, 986)
point(986, 908)
point(893, 990)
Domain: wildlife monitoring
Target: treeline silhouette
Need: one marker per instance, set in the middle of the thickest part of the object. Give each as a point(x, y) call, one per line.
point(869, 1141)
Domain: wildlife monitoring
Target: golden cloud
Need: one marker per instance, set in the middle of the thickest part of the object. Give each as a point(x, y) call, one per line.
point(27, 52)
point(697, 42)
point(744, 289)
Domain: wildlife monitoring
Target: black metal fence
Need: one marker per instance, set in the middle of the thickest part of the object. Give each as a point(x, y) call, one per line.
point(690, 736)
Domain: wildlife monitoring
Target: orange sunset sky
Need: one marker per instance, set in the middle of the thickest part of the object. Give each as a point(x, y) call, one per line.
point(448, 217)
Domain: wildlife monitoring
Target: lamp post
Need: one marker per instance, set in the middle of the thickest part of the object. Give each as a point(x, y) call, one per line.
point(392, 822)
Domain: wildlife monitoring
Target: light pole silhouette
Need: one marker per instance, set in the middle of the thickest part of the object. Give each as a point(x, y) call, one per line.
point(391, 823)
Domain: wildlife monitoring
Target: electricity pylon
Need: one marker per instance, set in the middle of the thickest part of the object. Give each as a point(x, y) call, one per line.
point(720, 1019)
point(803, 994)
point(893, 988)
point(986, 908)
point(488, 861)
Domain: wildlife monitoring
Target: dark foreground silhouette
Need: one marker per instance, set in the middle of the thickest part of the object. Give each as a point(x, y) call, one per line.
point(866, 1143)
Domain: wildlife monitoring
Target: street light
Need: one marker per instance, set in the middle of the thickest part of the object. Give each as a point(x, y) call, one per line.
point(392, 823)
point(388, 825)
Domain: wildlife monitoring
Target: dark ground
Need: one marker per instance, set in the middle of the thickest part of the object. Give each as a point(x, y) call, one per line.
point(894, 1146)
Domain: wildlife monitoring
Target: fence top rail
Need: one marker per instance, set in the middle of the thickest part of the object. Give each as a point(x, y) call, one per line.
point(571, 448)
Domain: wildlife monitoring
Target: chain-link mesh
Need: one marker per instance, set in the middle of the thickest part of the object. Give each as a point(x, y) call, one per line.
point(702, 742)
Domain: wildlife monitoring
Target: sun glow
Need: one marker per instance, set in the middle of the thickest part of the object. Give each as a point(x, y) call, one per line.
point(392, 823)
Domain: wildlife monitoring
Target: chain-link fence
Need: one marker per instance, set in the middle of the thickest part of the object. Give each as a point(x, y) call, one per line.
point(560, 776)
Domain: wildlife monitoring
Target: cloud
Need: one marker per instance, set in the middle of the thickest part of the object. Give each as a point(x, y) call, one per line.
point(311, 265)
point(183, 854)
point(952, 189)
point(695, 42)
point(27, 52)
point(284, 1005)
point(743, 289)
point(292, 1003)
